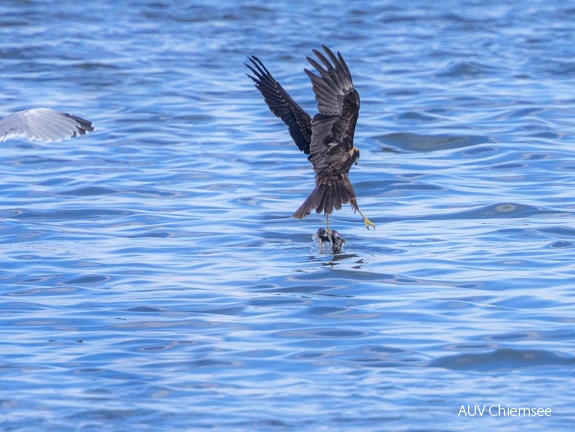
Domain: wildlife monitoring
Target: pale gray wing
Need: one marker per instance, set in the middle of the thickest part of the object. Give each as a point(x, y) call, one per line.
point(43, 124)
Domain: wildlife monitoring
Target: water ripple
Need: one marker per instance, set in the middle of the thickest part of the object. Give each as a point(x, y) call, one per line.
point(504, 359)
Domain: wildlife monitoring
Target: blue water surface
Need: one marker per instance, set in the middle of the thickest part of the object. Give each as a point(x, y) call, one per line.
point(152, 276)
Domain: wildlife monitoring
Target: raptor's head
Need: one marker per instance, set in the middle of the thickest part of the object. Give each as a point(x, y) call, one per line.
point(355, 156)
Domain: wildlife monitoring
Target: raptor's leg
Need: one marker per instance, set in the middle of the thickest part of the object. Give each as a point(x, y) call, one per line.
point(328, 232)
point(366, 221)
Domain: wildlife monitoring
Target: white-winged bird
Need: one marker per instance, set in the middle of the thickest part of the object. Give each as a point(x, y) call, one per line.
point(327, 139)
point(43, 124)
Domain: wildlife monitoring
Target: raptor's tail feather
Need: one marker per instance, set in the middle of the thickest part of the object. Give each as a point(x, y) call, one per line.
point(327, 197)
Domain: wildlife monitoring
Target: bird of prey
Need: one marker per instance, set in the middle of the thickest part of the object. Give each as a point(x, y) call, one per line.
point(327, 139)
point(43, 124)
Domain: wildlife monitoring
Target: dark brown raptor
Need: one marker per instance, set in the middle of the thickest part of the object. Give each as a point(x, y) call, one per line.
point(328, 137)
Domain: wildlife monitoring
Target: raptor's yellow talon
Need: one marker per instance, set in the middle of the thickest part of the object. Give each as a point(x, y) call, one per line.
point(368, 223)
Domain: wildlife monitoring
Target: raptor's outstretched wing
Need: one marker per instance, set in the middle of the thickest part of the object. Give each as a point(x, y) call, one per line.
point(333, 128)
point(282, 105)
